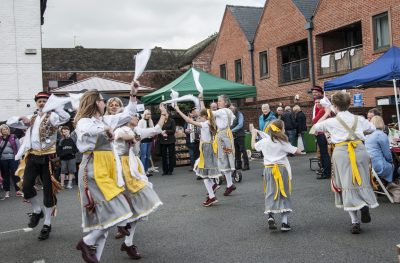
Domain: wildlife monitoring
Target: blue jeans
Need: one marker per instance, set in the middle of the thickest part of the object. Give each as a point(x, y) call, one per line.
point(292, 135)
point(145, 152)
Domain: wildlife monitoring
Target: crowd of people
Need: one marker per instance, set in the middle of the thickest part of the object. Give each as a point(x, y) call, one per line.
point(109, 155)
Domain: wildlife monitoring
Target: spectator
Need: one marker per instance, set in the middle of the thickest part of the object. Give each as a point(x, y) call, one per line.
point(290, 125)
point(66, 150)
point(266, 117)
point(279, 112)
point(167, 145)
point(301, 121)
point(317, 92)
point(378, 148)
point(145, 144)
point(214, 106)
point(375, 112)
point(237, 128)
point(322, 143)
point(192, 138)
point(114, 106)
point(9, 146)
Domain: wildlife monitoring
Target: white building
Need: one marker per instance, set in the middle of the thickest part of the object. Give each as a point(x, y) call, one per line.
point(20, 56)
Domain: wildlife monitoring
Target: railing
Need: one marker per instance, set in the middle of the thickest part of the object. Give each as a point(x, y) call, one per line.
point(341, 60)
point(294, 70)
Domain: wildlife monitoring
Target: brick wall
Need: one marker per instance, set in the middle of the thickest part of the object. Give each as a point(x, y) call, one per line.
point(20, 74)
point(231, 45)
point(331, 15)
point(203, 60)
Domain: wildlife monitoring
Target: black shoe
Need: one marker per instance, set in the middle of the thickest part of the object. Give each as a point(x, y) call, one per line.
point(365, 216)
point(285, 227)
point(199, 178)
point(271, 223)
point(45, 232)
point(246, 167)
point(355, 228)
point(164, 173)
point(34, 219)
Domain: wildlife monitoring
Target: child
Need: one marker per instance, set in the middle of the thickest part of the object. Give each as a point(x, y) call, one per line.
point(275, 147)
point(208, 165)
point(66, 150)
point(351, 183)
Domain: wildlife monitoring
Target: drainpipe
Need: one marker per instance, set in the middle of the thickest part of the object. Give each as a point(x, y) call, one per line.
point(251, 50)
point(309, 27)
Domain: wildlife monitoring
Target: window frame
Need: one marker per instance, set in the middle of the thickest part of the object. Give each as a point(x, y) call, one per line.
point(260, 61)
point(223, 66)
point(236, 63)
point(374, 19)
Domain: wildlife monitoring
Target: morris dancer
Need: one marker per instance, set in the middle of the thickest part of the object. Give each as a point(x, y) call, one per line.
point(277, 175)
point(39, 147)
point(207, 167)
point(102, 202)
point(351, 183)
point(144, 200)
point(223, 141)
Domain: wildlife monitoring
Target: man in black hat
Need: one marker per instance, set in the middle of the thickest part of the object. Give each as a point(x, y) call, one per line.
point(317, 92)
point(39, 147)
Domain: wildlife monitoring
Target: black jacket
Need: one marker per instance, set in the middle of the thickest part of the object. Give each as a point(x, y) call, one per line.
point(301, 122)
point(290, 120)
point(66, 149)
point(169, 127)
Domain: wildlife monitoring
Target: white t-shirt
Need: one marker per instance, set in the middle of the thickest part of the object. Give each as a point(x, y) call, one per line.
point(274, 152)
point(205, 134)
point(221, 118)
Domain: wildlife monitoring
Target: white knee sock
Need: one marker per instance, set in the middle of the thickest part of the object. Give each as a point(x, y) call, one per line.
point(228, 177)
point(354, 218)
point(35, 204)
point(209, 184)
point(129, 239)
point(91, 238)
point(285, 218)
point(47, 215)
point(70, 178)
point(101, 242)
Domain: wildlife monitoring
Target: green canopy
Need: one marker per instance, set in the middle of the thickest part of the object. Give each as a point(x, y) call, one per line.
point(212, 85)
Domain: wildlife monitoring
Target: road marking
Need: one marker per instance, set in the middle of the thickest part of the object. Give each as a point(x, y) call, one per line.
point(17, 230)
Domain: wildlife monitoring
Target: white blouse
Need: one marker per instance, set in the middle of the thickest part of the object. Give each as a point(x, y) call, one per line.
point(338, 133)
point(274, 152)
point(87, 129)
point(205, 134)
point(221, 118)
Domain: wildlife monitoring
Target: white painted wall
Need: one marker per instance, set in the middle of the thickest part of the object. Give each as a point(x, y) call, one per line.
point(20, 74)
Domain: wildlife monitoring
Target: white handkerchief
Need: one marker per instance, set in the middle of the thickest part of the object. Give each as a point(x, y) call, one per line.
point(140, 107)
point(338, 55)
point(196, 78)
point(325, 61)
point(141, 60)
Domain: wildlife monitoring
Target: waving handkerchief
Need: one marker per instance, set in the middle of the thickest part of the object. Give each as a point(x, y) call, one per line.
point(75, 99)
point(185, 98)
point(141, 60)
point(325, 102)
point(196, 78)
point(55, 102)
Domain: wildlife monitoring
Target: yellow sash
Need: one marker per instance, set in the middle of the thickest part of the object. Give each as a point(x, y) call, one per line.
point(105, 174)
point(133, 184)
point(279, 186)
point(353, 161)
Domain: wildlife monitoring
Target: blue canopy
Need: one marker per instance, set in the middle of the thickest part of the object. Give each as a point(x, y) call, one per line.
point(376, 74)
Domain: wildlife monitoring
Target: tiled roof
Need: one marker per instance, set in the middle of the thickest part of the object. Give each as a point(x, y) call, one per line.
point(306, 7)
point(95, 59)
point(248, 18)
point(193, 51)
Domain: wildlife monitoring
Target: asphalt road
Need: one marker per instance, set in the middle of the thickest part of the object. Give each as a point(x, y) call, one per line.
point(234, 230)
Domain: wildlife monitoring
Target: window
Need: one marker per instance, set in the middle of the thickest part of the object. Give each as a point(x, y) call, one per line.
point(263, 64)
point(381, 31)
point(294, 62)
point(222, 71)
point(238, 70)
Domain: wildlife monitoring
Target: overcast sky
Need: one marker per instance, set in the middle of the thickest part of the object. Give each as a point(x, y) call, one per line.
point(133, 23)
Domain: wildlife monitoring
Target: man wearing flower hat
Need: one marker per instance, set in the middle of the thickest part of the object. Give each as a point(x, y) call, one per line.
point(38, 148)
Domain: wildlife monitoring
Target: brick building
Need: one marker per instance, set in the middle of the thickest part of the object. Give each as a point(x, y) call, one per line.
point(299, 43)
point(233, 54)
point(20, 55)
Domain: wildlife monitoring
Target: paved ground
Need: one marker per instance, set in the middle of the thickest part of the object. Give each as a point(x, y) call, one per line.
point(232, 231)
